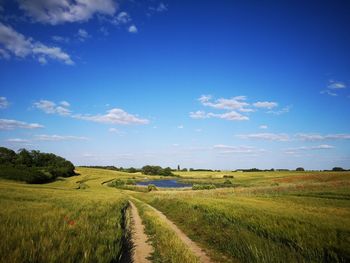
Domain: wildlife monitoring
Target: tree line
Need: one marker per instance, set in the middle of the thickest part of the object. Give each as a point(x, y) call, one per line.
point(33, 166)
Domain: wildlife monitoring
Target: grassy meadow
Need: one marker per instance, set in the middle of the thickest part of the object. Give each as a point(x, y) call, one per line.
point(260, 217)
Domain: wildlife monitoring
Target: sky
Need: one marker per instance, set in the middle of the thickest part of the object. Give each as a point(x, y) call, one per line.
point(201, 84)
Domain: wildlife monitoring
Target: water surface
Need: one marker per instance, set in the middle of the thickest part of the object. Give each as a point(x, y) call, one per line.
point(165, 183)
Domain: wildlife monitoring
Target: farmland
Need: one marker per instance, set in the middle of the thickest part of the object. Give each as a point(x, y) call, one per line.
point(260, 217)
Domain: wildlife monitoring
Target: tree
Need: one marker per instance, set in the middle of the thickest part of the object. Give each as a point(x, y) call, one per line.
point(338, 169)
point(300, 169)
point(178, 167)
point(7, 156)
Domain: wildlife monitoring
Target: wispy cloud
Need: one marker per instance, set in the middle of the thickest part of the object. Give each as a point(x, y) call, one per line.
point(83, 35)
point(236, 103)
point(266, 136)
point(21, 47)
point(263, 127)
point(113, 116)
point(336, 85)
point(18, 140)
point(231, 116)
point(226, 149)
point(265, 104)
point(237, 108)
point(332, 88)
point(180, 126)
point(6, 124)
point(319, 137)
point(121, 18)
point(4, 103)
point(51, 107)
point(58, 12)
point(45, 137)
point(308, 148)
point(281, 111)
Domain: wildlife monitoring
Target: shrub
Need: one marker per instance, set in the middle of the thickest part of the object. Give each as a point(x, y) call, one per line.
point(228, 182)
point(203, 186)
point(300, 169)
point(152, 187)
point(228, 176)
point(338, 169)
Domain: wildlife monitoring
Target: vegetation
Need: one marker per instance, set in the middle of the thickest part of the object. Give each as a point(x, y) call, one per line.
point(167, 246)
point(279, 216)
point(33, 166)
point(152, 187)
point(61, 223)
point(300, 169)
point(156, 170)
point(203, 186)
point(302, 218)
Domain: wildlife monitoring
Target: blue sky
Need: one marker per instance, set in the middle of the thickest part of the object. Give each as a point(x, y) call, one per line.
point(209, 84)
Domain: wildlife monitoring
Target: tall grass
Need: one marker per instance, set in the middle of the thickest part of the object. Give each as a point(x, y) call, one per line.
point(58, 223)
point(265, 224)
point(168, 247)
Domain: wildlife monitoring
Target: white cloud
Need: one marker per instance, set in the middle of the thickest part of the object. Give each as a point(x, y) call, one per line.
point(281, 111)
point(198, 115)
point(308, 148)
point(51, 107)
point(82, 35)
point(113, 116)
point(231, 116)
point(6, 124)
point(235, 103)
point(332, 87)
point(336, 85)
point(266, 136)
point(328, 92)
point(132, 29)
point(263, 127)
point(180, 127)
point(45, 137)
point(18, 140)
point(237, 149)
point(20, 46)
point(160, 8)
point(319, 137)
point(265, 104)
point(61, 11)
point(65, 104)
point(4, 103)
point(121, 18)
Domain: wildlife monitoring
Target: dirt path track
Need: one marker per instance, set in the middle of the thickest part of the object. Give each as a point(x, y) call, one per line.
point(141, 248)
point(196, 250)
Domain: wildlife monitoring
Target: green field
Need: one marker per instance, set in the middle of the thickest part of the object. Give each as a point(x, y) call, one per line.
point(260, 217)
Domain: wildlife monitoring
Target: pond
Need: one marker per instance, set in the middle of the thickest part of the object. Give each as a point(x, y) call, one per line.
point(165, 183)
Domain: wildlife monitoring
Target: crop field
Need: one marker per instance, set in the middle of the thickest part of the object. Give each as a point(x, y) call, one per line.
point(259, 217)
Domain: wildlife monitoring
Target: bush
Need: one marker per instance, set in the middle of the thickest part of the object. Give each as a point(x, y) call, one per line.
point(156, 170)
point(28, 175)
point(33, 166)
point(300, 169)
point(152, 187)
point(338, 169)
point(228, 182)
point(203, 186)
point(228, 176)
